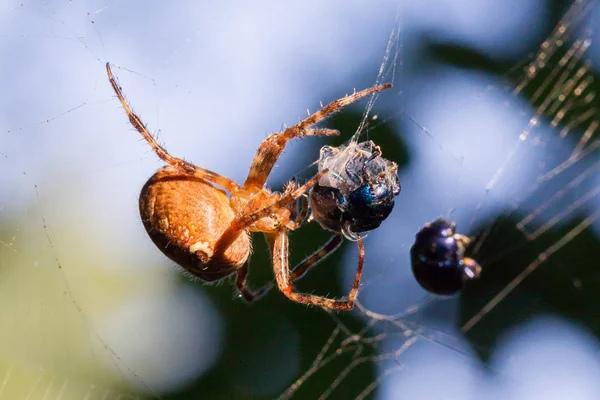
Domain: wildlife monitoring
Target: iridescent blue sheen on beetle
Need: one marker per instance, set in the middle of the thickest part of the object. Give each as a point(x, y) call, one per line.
point(357, 194)
point(438, 261)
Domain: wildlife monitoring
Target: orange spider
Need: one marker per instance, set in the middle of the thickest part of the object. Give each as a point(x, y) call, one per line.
point(193, 221)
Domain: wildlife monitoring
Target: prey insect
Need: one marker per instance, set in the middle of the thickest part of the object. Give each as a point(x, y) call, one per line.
point(438, 261)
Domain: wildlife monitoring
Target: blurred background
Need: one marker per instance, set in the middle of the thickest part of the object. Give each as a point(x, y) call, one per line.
point(486, 133)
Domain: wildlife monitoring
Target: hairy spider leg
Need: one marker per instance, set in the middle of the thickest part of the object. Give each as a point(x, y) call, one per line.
point(244, 221)
point(161, 152)
point(296, 273)
point(280, 246)
point(305, 265)
point(271, 148)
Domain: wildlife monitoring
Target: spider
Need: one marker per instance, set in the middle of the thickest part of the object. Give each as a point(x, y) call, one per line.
point(203, 221)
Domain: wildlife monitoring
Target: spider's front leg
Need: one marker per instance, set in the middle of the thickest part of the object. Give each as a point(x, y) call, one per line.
point(272, 147)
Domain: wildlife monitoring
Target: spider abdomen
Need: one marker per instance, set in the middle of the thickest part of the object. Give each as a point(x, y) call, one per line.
point(185, 216)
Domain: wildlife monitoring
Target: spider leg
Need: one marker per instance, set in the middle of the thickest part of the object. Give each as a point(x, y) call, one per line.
point(299, 213)
point(305, 265)
point(242, 286)
point(309, 262)
point(283, 276)
point(269, 151)
point(303, 212)
point(271, 148)
point(161, 152)
point(242, 222)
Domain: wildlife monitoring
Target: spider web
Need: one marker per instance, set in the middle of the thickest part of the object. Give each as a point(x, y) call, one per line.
point(529, 240)
point(89, 308)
